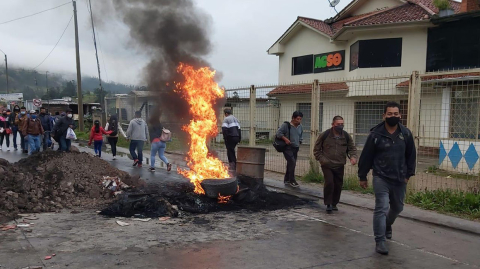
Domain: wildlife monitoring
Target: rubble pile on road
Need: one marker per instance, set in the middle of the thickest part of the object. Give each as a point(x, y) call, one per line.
point(50, 181)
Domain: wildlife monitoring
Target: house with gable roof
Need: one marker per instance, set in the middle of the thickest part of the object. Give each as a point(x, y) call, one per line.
point(378, 38)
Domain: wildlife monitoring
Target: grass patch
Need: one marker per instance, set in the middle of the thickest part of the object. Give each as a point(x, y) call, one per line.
point(313, 175)
point(352, 183)
point(448, 201)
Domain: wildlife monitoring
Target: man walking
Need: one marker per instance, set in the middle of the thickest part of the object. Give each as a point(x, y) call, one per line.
point(332, 149)
point(390, 152)
point(47, 125)
point(14, 123)
point(232, 135)
point(292, 133)
point(20, 122)
point(32, 131)
point(60, 130)
point(137, 132)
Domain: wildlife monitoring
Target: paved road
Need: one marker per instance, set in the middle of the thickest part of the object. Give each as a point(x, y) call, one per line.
point(303, 237)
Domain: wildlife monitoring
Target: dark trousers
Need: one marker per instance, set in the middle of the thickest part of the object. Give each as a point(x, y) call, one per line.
point(231, 143)
point(15, 132)
point(23, 142)
point(97, 147)
point(6, 137)
point(290, 155)
point(46, 138)
point(65, 144)
point(113, 143)
point(137, 145)
point(332, 188)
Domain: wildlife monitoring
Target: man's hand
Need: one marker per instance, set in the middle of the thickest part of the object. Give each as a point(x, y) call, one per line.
point(353, 161)
point(364, 184)
point(287, 141)
point(89, 144)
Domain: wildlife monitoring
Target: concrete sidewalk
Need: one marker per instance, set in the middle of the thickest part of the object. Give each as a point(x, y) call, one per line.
point(275, 180)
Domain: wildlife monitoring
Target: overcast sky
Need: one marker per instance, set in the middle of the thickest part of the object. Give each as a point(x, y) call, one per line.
point(242, 31)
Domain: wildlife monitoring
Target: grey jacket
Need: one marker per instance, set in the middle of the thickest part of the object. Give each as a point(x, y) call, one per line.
point(296, 134)
point(137, 130)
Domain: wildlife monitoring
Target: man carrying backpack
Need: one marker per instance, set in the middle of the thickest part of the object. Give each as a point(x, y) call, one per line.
point(292, 134)
point(332, 149)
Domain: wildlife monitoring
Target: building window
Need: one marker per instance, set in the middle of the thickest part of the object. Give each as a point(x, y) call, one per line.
point(376, 53)
point(367, 116)
point(464, 113)
point(302, 65)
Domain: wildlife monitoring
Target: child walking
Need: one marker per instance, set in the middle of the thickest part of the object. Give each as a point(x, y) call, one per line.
point(96, 134)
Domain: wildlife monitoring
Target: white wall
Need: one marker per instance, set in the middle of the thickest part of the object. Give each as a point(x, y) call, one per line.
point(372, 5)
point(307, 41)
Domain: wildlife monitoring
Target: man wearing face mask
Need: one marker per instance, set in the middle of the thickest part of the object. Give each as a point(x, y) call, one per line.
point(390, 152)
point(19, 121)
point(60, 130)
point(47, 126)
point(332, 149)
point(33, 130)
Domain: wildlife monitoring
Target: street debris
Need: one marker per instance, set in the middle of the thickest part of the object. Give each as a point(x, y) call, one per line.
point(143, 220)
point(114, 184)
point(163, 218)
point(121, 223)
point(23, 225)
point(140, 205)
point(7, 227)
point(51, 181)
point(48, 257)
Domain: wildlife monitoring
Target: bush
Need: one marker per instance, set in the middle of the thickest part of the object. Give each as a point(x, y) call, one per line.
point(448, 201)
point(442, 4)
point(313, 175)
point(352, 183)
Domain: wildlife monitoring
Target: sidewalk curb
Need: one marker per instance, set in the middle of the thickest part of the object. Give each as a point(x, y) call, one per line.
point(409, 212)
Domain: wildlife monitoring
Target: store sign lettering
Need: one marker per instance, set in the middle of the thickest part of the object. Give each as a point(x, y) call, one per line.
point(332, 61)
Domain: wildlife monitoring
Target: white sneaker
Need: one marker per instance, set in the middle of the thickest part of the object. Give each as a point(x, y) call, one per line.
point(114, 158)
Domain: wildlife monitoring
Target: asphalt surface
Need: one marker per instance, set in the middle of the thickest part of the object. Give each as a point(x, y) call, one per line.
point(301, 237)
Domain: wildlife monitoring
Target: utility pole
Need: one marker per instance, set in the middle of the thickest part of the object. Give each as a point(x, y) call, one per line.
point(46, 80)
point(6, 67)
point(96, 53)
point(79, 75)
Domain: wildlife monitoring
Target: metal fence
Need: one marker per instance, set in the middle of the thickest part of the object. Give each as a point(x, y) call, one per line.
point(441, 109)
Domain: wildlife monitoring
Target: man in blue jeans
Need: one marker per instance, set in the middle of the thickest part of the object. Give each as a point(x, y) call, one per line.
point(158, 146)
point(33, 131)
point(390, 152)
point(137, 132)
point(47, 125)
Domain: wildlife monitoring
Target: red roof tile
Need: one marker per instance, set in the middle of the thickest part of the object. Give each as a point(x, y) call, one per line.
point(413, 10)
point(307, 88)
point(435, 77)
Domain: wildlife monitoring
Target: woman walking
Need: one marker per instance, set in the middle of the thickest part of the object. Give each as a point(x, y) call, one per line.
point(114, 126)
point(96, 134)
point(158, 146)
point(5, 130)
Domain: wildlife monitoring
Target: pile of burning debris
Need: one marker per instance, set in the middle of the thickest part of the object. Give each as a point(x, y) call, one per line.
point(50, 181)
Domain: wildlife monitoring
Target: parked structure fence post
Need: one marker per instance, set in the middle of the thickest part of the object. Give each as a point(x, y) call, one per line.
point(414, 95)
point(315, 114)
point(253, 105)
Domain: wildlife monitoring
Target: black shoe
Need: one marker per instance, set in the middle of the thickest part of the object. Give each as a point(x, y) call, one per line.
point(151, 169)
point(169, 167)
point(388, 232)
point(286, 182)
point(334, 208)
point(135, 163)
point(329, 208)
point(381, 248)
point(294, 184)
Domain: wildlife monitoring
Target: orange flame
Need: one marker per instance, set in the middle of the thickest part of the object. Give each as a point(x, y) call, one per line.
point(223, 199)
point(201, 92)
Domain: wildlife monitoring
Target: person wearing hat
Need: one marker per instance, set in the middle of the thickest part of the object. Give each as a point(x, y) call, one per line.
point(33, 131)
point(60, 130)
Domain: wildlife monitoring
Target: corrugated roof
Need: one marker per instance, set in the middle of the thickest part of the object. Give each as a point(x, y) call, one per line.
point(307, 88)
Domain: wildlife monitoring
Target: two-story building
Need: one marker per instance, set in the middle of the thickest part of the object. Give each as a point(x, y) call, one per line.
point(379, 38)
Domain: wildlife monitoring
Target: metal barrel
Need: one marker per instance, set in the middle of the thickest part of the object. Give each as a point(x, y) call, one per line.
point(251, 161)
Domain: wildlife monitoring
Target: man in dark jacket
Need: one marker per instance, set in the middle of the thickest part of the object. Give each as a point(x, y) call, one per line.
point(47, 125)
point(19, 121)
point(60, 130)
point(390, 152)
point(232, 135)
point(332, 149)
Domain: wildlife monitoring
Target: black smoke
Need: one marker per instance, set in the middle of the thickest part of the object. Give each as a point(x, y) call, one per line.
point(169, 32)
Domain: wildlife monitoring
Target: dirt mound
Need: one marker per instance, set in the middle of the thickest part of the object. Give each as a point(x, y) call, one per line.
point(50, 181)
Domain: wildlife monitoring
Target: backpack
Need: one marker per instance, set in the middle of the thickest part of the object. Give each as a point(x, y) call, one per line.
point(278, 143)
point(113, 126)
point(166, 135)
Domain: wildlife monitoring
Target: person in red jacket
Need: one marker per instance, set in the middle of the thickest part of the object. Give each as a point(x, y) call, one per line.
point(96, 134)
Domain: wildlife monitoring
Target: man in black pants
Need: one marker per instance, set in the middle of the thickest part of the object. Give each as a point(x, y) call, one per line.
point(390, 152)
point(291, 132)
point(331, 150)
point(232, 135)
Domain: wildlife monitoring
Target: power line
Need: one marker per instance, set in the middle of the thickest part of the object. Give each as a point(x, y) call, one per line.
point(34, 13)
point(56, 43)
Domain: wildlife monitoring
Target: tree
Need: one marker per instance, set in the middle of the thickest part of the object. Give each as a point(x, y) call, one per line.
point(69, 90)
point(100, 95)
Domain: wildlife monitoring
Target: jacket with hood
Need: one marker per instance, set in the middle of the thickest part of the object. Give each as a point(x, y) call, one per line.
point(231, 128)
point(61, 126)
point(97, 136)
point(392, 158)
point(137, 130)
point(155, 132)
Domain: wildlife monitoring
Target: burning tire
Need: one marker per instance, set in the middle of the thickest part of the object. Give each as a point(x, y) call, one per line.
point(224, 187)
